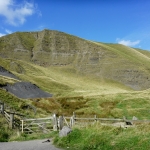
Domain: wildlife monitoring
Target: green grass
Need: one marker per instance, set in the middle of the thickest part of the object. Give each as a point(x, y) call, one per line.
point(101, 137)
point(113, 62)
point(26, 39)
point(4, 130)
point(16, 104)
point(104, 98)
point(64, 81)
point(80, 86)
point(145, 52)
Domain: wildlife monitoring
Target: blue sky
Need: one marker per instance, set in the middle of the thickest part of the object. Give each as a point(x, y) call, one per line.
point(111, 21)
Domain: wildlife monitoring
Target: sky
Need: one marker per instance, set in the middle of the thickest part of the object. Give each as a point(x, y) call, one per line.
point(125, 22)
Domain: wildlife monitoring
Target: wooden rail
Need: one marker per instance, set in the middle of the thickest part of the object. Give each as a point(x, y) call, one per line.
point(73, 120)
point(53, 123)
point(11, 117)
point(29, 125)
point(36, 125)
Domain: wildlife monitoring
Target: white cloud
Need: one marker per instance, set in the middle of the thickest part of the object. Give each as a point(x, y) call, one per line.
point(1, 34)
point(8, 31)
point(16, 14)
point(128, 42)
point(5, 33)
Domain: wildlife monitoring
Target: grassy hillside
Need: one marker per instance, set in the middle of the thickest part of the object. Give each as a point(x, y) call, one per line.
point(61, 80)
point(54, 49)
point(145, 52)
point(84, 94)
point(85, 77)
point(74, 70)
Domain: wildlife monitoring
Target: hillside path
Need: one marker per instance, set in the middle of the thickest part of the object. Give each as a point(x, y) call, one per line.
point(28, 145)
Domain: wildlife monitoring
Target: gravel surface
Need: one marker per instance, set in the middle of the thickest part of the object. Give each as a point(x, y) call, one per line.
point(6, 73)
point(28, 145)
point(26, 90)
point(23, 89)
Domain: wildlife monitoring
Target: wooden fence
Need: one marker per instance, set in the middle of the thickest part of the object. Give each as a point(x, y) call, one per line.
point(54, 123)
point(82, 122)
point(15, 120)
point(12, 118)
point(36, 125)
point(44, 125)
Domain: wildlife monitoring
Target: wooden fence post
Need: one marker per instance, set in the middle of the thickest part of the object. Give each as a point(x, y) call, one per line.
point(124, 118)
point(95, 118)
point(60, 122)
point(74, 115)
point(54, 122)
point(22, 126)
point(2, 108)
point(71, 121)
point(11, 123)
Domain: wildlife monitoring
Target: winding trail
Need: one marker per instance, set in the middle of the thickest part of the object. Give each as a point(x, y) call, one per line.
point(28, 145)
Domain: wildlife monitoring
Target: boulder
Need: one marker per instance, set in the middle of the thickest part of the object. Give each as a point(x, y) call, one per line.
point(64, 131)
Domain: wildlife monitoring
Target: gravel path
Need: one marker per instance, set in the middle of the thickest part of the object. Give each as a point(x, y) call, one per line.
point(28, 145)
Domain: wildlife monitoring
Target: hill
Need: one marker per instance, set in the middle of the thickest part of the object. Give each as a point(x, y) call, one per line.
point(85, 77)
point(113, 62)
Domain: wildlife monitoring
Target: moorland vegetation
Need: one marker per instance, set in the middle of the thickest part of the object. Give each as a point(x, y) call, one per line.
point(85, 77)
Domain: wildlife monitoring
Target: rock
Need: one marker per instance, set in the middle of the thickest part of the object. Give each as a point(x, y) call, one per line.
point(134, 118)
point(65, 131)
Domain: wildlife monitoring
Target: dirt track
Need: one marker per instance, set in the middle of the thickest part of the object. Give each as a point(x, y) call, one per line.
point(28, 145)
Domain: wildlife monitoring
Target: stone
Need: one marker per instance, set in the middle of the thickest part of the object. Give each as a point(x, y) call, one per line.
point(64, 131)
point(134, 118)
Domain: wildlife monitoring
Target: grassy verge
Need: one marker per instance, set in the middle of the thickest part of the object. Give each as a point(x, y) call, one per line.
point(106, 137)
point(4, 130)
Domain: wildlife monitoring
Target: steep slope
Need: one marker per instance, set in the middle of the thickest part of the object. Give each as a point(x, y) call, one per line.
point(145, 52)
point(61, 80)
point(114, 62)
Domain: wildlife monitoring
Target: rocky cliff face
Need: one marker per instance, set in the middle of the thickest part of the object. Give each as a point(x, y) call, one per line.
point(55, 48)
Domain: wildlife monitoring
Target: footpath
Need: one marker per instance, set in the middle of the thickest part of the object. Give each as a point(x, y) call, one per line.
point(28, 145)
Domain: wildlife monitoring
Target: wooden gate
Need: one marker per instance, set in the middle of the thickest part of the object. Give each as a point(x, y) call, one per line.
point(37, 125)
